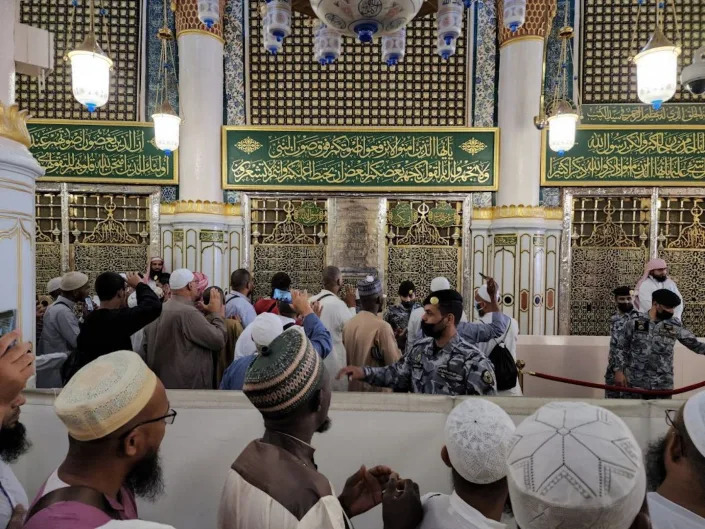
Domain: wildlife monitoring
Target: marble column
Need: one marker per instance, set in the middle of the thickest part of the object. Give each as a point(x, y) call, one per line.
point(199, 231)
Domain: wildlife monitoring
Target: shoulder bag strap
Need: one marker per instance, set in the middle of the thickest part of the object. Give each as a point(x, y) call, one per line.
point(85, 495)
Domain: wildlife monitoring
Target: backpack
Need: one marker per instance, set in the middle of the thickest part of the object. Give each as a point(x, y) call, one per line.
point(505, 367)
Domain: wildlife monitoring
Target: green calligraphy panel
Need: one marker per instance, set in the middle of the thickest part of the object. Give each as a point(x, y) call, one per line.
point(354, 159)
point(639, 114)
point(628, 156)
point(101, 151)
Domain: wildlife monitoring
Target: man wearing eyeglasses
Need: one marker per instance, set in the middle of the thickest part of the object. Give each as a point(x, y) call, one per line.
point(675, 466)
point(116, 411)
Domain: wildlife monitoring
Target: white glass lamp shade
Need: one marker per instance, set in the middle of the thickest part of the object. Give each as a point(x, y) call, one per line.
point(450, 19)
point(366, 19)
point(657, 75)
point(394, 47)
point(209, 12)
point(446, 51)
point(166, 130)
point(514, 14)
point(90, 77)
point(327, 44)
point(278, 18)
point(561, 131)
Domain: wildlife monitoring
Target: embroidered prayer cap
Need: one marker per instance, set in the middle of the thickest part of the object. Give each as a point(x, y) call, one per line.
point(484, 294)
point(285, 375)
point(572, 464)
point(134, 524)
point(406, 288)
point(73, 281)
point(478, 436)
point(370, 286)
point(180, 278)
point(265, 328)
point(53, 284)
point(694, 419)
point(622, 291)
point(440, 283)
point(666, 298)
point(104, 395)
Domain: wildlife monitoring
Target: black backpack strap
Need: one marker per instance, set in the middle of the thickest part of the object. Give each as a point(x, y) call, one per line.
point(324, 297)
point(85, 495)
point(288, 325)
point(271, 307)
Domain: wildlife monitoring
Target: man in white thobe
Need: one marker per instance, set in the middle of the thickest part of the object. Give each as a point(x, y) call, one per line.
point(655, 278)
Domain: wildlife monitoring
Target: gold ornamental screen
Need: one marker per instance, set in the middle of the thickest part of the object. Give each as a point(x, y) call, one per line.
point(288, 235)
point(609, 246)
point(48, 236)
point(424, 240)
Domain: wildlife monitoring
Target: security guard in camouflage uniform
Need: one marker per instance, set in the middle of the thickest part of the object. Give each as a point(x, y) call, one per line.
point(644, 352)
point(443, 363)
point(625, 311)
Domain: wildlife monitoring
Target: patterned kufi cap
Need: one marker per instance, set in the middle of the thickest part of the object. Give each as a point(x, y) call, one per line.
point(478, 435)
point(575, 465)
point(285, 375)
point(369, 286)
point(104, 395)
point(73, 281)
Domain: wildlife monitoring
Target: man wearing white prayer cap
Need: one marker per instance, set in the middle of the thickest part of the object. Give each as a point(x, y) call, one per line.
point(508, 339)
point(60, 325)
point(676, 469)
point(478, 435)
point(54, 287)
point(573, 465)
point(413, 329)
point(115, 410)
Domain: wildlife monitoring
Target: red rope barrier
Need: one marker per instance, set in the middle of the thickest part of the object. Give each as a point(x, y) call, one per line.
point(639, 391)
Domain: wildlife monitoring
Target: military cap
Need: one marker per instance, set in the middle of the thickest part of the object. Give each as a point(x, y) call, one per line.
point(406, 288)
point(444, 297)
point(622, 291)
point(666, 298)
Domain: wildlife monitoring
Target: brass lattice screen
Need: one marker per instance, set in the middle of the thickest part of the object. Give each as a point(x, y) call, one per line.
point(610, 244)
point(118, 32)
point(610, 35)
point(288, 235)
point(48, 232)
point(359, 89)
point(681, 242)
point(424, 240)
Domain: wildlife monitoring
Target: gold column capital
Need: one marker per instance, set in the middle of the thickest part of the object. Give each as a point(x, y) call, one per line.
point(200, 206)
point(187, 20)
point(517, 212)
point(539, 15)
point(13, 124)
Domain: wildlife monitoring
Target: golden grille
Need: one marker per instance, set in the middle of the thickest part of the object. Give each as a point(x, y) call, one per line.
point(424, 240)
point(288, 235)
point(610, 244)
point(48, 237)
point(608, 27)
point(119, 36)
point(291, 89)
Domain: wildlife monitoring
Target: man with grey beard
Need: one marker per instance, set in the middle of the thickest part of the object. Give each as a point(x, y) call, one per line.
point(675, 467)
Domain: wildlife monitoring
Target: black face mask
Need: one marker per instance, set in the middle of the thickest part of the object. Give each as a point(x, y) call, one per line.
point(432, 330)
point(662, 315)
point(625, 307)
point(407, 304)
point(656, 463)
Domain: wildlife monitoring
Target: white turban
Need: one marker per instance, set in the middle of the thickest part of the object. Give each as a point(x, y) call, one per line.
point(482, 292)
point(478, 435)
point(265, 328)
point(575, 465)
point(104, 395)
point(440, 283)
point(694, 418)
point(180, 278)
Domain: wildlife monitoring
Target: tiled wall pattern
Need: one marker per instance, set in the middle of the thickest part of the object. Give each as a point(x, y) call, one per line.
point(118, 32)
point(234, 62)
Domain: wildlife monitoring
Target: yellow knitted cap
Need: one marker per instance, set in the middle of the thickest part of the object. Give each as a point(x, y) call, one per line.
point(105, 395)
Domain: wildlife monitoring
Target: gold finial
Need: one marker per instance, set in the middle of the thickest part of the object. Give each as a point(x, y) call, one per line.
point(13, 124)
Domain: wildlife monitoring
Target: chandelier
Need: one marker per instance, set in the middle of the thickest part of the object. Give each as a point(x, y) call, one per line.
point(562, 115)
point(166, 122)
point(657, 62)
point(370, 20)
point(90, 67)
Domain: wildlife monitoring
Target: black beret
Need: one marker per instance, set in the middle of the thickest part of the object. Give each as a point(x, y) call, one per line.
point(622, 291)
point(443, 297)
point(406, 288)
point(666, 298)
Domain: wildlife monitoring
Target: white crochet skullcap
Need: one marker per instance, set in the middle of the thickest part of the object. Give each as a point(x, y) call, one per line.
point(694, 419)
point(134, 524)
point(265, 328)
point(440, 283)
point(104, 395)
point(484, 294)
point(73, 281)
point(180, 278)
point(575, 465)
point(478, 435)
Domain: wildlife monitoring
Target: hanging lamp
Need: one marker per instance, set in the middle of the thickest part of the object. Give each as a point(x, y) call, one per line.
point(209, 12)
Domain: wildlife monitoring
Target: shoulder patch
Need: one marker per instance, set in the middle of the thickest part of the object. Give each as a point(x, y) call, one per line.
point(488, 378)
point(641, 325)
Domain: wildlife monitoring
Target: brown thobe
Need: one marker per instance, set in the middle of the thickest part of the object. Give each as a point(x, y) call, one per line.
point(369, 341)
point(179, 345)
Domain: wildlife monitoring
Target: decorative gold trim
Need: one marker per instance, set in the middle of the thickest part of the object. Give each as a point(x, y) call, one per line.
point(520, 39)
point(200, 206)
point(200, 32)
point(13, 124)
point(370, 189)
point(517, 212)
